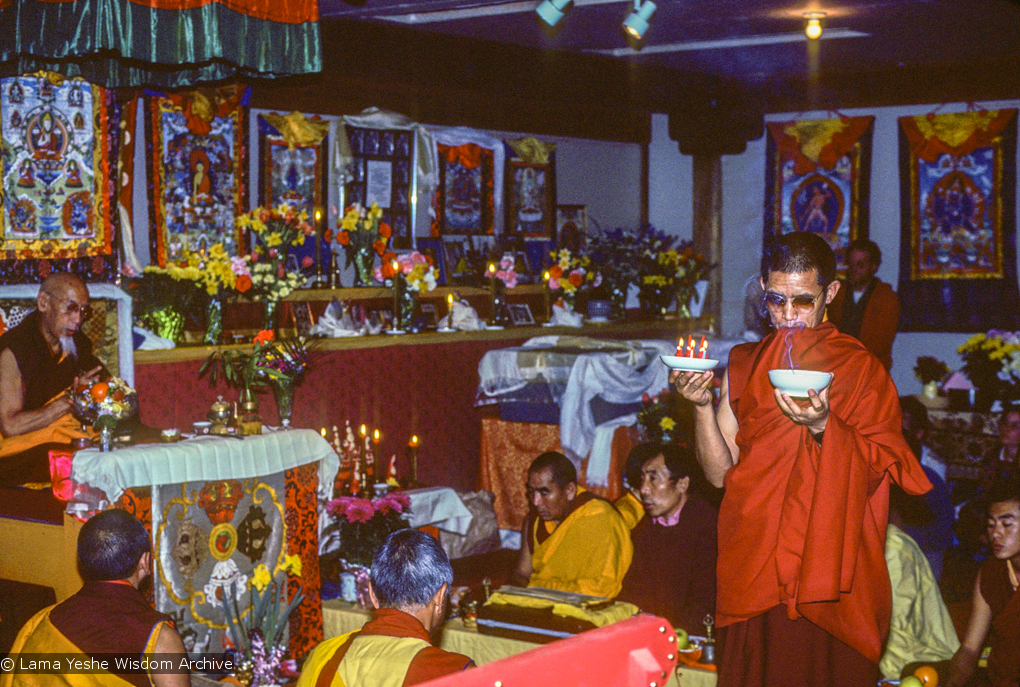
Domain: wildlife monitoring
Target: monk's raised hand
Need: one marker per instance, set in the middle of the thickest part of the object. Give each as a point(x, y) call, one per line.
point(814, 416)
point(88, 377)
point(696, 387)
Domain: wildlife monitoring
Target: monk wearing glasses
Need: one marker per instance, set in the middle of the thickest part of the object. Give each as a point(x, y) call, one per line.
point(41, 360)
point(802, 586)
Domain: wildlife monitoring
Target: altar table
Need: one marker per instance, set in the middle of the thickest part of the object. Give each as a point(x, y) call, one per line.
point(339, 617)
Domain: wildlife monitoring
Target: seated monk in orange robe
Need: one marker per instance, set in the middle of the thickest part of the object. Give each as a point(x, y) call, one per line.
point(40, 359)
point(802, 579)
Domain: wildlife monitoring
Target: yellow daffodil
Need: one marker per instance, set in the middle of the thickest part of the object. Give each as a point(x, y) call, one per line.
point(667, 423)
point(260, 577)
point(292, 564)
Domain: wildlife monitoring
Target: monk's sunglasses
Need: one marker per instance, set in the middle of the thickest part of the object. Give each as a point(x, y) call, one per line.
point(801, 303)
point(71, 308)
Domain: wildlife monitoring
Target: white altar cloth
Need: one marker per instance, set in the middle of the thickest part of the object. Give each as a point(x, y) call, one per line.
point(440, 507)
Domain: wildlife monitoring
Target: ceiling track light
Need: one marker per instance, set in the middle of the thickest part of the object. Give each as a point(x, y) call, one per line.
point(813, 28)
point(551, 11)
point(636, 22)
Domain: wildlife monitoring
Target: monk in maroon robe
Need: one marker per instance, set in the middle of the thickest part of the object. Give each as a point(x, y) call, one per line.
point(803, 587)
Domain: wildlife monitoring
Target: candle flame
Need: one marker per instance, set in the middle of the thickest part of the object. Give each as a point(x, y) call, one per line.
point(363, 431)
point(690, 347)
point(318, 215)
point(375, 436)
point(414, 441)
point(323, 432)
point(449, 298)
point(680, 346)
point(546, 275)
point(492, 268)
point(703, 349)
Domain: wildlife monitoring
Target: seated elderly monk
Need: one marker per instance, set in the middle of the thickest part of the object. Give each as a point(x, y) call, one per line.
point(40, 360)
point(995, 614)
point(409, 588)
point(108, 615)
point(572, 540)
point(675, 548)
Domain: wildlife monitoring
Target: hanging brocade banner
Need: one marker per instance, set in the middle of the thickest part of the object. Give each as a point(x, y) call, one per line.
point(196, 156)
point(59, 136)
point(958, 234)
point(817, 179)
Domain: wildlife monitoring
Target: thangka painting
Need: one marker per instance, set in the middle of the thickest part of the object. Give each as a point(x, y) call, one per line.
point(817, 180)
point(196, 156)
point(59, 137)
point(530, 181)
point(382, 172)
point(292, 156)
point(464, 202)
point(215, 541)
point(958, 229)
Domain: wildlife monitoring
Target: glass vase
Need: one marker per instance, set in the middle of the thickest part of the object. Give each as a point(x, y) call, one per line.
point(167, 323)
point(408, 304)
point(283, 392)
point(683, 302)
point(213, 321)
point(364, 260)
point(269, 308)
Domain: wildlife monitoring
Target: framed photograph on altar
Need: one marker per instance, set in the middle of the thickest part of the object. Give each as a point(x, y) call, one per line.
point(530, 199)
point(382, 172)
point(294, 172)
point(958, 225)
point(571, 227)
point(455, 252)
point(464, 202)
point(196, 170)
point(428, 318)
point(433, 248)
point(60, 139)
point(520, 314)
point(383, 317)
point(817, 179)
point(539, 257)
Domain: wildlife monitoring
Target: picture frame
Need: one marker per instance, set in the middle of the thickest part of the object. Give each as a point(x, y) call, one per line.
point(522, 266)
point(455, 253)
point(383, 316)
point(433, 248)
point(464, 201)
point(571, 227)
point(382, 171)
point(428, 317)
point(530, 199)
point(520, 314)
point(539, 258)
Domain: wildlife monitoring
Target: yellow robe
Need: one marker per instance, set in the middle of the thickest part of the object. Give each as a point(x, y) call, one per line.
point(39, 636)
point(588, 553)
point(630, 509)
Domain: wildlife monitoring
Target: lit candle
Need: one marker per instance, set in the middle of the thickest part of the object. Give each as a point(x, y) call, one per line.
point(375, 437)
point(449, 311)
point(492, 293)
point(680, 346)
point(412, 453)
point(690, 347)
point(396, 295)
point(703, 349)
point(546, 276)
point(363, 431)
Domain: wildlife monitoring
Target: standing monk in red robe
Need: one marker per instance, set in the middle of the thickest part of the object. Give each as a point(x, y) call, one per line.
point(802, 580)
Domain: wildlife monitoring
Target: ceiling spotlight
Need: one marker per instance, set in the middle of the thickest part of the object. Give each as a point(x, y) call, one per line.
point(551, 11)
point(813, 30)
point(636, 22)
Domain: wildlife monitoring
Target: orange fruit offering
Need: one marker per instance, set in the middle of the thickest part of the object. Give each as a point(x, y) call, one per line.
point(98, 391)
point(928, 676)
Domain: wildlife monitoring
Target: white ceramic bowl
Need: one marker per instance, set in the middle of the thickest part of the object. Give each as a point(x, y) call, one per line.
point(795, 383)
point(680, 362)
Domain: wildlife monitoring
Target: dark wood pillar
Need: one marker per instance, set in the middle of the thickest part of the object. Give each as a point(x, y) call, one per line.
point(707, 228)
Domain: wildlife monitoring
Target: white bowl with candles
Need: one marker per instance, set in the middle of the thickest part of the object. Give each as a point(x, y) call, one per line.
point(687, 363)
point(795, 383)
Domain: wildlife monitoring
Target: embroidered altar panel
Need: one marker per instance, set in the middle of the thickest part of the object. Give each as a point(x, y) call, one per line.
point(817, 179)
point(196, 156)
point(464, 202)
point(59, 137)
point(958, 231)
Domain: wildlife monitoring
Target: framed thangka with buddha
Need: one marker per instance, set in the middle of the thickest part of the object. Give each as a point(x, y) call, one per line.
point(958, 223)
point(292, 156)
point(60, 139)
point(195, 151)
point(817, 179)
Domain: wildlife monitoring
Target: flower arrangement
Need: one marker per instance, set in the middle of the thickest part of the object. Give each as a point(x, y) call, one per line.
point(506, 272)
point(159, 288)
point(258, 635)
point(274, 232)
point(363, 525)
point(221, 273)
point(664, 418)
point(104, 403)
point(992, 363)
point(270, 360)
point(417, 269)
point(929, 369)
point(669, 272)
point(569, 273)
point(363, 236)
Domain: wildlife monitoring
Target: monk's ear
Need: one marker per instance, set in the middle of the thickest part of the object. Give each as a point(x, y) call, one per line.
point(683, 484)
point(830, 291)
point(571, 491)
point(371, 595)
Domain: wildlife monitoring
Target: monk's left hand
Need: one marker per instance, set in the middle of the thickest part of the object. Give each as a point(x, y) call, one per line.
point(814, 416)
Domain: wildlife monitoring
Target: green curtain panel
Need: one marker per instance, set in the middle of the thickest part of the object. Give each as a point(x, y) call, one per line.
point(119, 43)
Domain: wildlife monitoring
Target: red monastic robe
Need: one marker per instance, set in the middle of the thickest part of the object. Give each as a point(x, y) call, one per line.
point(804, 524)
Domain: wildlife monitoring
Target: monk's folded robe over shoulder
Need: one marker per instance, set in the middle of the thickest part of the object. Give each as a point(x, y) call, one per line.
point(804, 524)
point(589, 552)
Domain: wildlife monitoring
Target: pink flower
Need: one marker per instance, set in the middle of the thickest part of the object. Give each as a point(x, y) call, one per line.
point(307, 261)
point(507, 262)
point(396, 503)
point(357, 510)
point(280, 272)
point(554, 283)
point(272, 252)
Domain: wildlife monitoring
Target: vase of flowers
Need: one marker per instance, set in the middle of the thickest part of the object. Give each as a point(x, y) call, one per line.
point(362, 526)
point(163, 297)
point(664, 418)
point(257, 633)
point(221, 275)
point(411, 275)
point(931, 372)
point(568, 274)
point(671, 273)
point(616, 255)
point(363, 237)
point(991, 362)
point(274, 232)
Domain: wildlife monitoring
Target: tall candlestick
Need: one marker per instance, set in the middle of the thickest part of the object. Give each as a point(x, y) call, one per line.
point(449, 311)
point(492, 293)
point(412, 454)
point(396, 294)
point(318, 246)
point(545, 293)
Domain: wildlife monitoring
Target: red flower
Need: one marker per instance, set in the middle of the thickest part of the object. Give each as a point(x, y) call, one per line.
point(384, 230)
point(386, 270)
point(380, 246)
point(307, 261)
point(327, 236)
point(576, 278)
point(243, 283)
point(555, 271)
point(343, 238)
point(264, 336)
